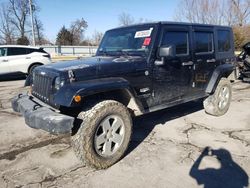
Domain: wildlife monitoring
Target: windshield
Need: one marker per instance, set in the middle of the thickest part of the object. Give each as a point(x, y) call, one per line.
point(127, 41)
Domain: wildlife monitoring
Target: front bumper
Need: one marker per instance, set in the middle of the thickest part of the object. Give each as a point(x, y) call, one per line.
point(39, 116)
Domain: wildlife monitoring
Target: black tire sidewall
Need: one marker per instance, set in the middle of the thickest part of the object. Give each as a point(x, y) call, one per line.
point(31, 69)
point(211, 103)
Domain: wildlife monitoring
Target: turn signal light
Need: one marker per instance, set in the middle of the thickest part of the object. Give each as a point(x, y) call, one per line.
point(77, 98)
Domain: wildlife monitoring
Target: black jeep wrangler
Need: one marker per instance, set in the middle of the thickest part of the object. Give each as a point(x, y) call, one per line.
point(136, 70)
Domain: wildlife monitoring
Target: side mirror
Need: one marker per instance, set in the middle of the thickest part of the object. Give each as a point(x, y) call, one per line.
point(168, 51)
point(165, 52)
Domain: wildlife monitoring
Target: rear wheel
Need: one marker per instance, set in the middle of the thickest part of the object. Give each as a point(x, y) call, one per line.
point(31, 69)
point(104, 134)
point(218, 103)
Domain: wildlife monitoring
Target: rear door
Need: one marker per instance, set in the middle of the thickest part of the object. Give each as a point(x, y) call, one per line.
point(204, 58)
point(18, 60)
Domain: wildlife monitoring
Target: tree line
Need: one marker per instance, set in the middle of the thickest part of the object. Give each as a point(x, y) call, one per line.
point(15, 26)
point(74, 35)
point(234, 13)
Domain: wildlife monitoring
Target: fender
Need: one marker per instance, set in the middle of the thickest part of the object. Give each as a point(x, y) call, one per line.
point(64, 96)
point(221, 71)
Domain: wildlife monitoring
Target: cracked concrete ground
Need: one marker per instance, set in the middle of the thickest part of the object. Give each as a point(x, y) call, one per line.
point(167, 149)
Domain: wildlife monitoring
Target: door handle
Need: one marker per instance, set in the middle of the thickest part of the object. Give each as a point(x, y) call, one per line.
point(211, 61)
point(5, 60)
point(28, 58)
point(187, 63)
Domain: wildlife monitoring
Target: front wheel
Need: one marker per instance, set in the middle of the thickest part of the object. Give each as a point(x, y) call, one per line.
point(218, 103)
point(104, 134)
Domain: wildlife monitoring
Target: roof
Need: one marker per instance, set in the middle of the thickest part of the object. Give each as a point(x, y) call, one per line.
point(19, 46)
point(172, 23)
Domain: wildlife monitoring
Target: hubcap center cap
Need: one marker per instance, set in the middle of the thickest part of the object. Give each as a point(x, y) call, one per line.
point(109, 134)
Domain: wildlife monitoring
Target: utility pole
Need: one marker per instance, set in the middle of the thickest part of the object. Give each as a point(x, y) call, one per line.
point(32, 22)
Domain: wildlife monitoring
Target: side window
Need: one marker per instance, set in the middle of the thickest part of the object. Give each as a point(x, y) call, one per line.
point(204, 42)
point(3, 52)
point(16, 51)
point(223, 40)
point(178, 39)
point(29, 50)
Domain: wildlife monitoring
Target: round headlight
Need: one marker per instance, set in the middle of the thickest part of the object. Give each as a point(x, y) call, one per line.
point(58, 83)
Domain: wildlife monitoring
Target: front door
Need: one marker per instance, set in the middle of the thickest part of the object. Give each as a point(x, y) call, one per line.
point(172, 80)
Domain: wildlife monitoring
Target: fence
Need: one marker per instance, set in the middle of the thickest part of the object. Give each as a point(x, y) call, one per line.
point(70, 50)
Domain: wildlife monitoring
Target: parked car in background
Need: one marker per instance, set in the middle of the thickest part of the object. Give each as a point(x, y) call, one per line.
point(17, 59)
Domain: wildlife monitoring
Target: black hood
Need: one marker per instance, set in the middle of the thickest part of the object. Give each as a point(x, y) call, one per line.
point(77, 64)
point(96, 67)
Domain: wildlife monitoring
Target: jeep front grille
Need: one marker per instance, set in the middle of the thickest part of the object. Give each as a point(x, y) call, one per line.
point(42, 86)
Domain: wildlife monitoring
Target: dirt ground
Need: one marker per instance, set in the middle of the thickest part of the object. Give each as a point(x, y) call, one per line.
point(167, 149)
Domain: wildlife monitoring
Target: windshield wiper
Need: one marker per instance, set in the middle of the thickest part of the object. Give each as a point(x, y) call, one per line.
point(123, 52)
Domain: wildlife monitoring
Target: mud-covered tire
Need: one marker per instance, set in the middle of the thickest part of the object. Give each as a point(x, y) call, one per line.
point(83, 142)
point(218, 103)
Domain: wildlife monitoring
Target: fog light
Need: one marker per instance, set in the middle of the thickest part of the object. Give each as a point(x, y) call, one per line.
point(77, 98)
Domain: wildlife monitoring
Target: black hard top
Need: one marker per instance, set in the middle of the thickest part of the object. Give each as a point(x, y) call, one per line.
point(174, 23)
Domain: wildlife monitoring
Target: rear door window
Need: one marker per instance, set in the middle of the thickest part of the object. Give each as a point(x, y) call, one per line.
point(17, 51)
point(223, 40)
point(31, 50)
point(204, 42)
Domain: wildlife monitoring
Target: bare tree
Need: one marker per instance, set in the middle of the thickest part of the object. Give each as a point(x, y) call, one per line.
point(77, 29)
point(38, 31)
point(38, 25)
point(14, 22)
point(223, 12)
point(19, 10)
point(241, 9)
point(6, 28)
point(97, 37)
point(125, 19)
point(201, 11)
